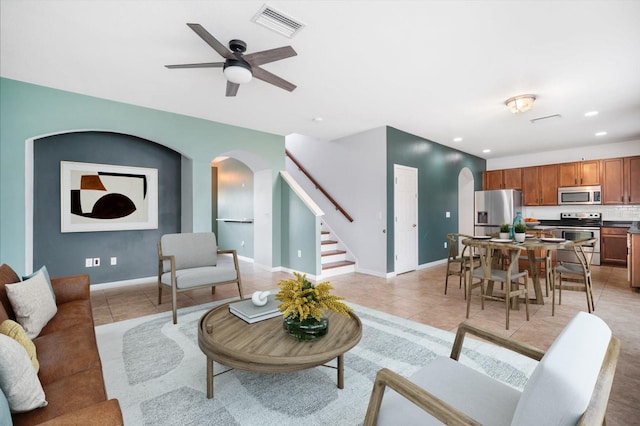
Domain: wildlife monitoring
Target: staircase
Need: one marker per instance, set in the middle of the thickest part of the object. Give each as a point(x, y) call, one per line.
point(334, 259)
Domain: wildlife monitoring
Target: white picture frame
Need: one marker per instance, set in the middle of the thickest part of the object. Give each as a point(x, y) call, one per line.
point(102, 197)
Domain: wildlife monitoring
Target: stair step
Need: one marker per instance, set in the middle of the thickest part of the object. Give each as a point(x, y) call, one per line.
point(325, 232)
point(329, 242)
point(333, 252)
point(337, 264)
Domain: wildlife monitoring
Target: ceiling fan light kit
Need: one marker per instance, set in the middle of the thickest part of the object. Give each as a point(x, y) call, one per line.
point(237, 71)
point(520, 104)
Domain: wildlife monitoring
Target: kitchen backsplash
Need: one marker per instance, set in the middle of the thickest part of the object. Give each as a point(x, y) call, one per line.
point(624, 213)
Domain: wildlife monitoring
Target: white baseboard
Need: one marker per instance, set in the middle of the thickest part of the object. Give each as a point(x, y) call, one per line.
point(124, 283)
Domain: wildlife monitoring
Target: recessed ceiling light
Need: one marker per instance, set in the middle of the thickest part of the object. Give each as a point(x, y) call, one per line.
point(601, 133)
point(591, 114)
point(457, 139)
point(486, 150)
point(317, 119)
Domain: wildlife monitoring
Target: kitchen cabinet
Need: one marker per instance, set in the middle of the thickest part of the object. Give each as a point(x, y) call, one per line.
point(613, 245)
point(634, 260)
point(579, 173)
point(621, 180)
point(540, 185)
point(502, 179)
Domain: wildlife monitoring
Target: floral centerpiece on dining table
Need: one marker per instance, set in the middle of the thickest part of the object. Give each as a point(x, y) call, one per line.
point(303, 305)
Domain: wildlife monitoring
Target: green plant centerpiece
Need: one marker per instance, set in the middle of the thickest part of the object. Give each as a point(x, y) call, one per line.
point(520, 228)
point(303, 305)
point(504, 231)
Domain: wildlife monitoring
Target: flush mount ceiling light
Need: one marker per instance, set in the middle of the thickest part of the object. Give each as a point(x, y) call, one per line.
point(521, 103)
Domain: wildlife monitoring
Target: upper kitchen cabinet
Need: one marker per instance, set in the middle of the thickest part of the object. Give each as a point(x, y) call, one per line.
point(502, 179)
point(540, 185)
point(621, 181)
point(579, 173)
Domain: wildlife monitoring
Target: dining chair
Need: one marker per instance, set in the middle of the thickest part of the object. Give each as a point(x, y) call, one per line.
point(579, 275)
point(545, 261)
point(490, 272)
point(458, 263)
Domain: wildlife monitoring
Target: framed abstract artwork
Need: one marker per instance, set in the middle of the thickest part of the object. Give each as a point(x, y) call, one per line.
point(102, 197)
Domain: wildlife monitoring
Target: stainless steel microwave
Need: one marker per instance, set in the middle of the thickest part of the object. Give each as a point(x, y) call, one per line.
point(579, 195)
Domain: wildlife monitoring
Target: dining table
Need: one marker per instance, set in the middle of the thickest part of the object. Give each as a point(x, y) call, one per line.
point(487, 245)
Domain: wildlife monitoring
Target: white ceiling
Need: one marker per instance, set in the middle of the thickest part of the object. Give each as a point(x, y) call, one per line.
point(437, 69)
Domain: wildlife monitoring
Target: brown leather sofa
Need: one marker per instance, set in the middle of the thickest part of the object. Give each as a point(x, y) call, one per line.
point(70, 366)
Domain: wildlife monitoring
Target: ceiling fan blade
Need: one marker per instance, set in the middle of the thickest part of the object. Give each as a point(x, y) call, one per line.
point(264, 75)
point(203, 65)
point(211, 41)
point(271, 55)
point(232, 88)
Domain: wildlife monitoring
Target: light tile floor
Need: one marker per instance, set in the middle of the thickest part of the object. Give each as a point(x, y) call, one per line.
point(419, 296)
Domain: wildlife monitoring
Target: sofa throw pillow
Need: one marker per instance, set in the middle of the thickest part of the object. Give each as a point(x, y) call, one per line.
point(18, 379)
point(46, 276)
point(32, 302)
point(16, 332)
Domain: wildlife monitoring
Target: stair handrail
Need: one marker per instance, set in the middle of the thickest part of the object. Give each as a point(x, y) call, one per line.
point(318, 186)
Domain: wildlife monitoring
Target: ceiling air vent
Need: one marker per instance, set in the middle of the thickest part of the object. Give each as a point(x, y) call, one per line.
point(277, 21)
point(546, 118)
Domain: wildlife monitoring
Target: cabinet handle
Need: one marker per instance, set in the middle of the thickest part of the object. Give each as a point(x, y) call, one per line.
point(575, 181)
point(622, 198)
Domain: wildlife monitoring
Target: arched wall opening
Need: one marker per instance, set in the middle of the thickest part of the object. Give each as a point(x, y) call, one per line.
point(465, 202)
point(233, 229)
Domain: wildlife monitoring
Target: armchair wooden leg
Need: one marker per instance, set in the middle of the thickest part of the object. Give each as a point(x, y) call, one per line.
point(174, 303)
point(213, 289)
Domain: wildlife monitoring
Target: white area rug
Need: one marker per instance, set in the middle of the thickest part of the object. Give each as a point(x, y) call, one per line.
point(157, 372)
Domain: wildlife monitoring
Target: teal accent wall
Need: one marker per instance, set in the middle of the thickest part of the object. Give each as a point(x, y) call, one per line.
point(438, 168)
point(30, 111)
point(235, 201)
point(300, 231)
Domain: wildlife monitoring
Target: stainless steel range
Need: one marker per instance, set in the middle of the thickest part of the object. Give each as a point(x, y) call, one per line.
point(578, 226)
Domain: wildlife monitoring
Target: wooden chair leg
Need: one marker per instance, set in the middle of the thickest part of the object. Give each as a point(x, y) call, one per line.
point(553, 294)
point(526, 296)
point(159, 294)
point(174, 303)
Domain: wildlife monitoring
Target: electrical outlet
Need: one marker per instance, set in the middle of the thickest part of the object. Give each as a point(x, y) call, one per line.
point(447, 214)
point(88, 262)
point(114, 261)
point(445, 244)
point(242, 244)
point(299, 253)
point(96, 261)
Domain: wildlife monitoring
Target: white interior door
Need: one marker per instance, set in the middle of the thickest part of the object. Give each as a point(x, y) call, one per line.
point(405, 218)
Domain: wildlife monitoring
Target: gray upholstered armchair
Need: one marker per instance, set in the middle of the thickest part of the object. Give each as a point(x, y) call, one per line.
point(189, 261)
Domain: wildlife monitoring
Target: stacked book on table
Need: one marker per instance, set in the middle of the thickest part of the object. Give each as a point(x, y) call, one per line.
point(247, 311)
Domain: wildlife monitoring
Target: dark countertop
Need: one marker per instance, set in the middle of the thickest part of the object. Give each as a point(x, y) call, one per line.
point(617, 224)
point(635, 228)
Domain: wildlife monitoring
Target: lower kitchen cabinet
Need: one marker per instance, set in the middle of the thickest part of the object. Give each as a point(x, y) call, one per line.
point(613, 246)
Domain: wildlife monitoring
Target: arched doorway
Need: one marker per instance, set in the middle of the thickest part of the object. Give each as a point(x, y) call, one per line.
point(262, 209)
point(465, 202)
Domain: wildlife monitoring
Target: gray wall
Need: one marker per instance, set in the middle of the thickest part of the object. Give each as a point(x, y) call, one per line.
point(136, 251)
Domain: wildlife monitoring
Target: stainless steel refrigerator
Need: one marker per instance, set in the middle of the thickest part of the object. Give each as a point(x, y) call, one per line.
point(493, 208)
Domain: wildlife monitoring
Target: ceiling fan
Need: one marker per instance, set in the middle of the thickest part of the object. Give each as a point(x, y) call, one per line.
point(239, 68)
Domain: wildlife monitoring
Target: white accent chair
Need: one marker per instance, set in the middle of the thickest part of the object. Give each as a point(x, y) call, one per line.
point(569, 386)
point(189, 261)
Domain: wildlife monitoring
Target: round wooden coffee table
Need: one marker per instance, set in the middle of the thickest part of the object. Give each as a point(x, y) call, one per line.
point(264, 347)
